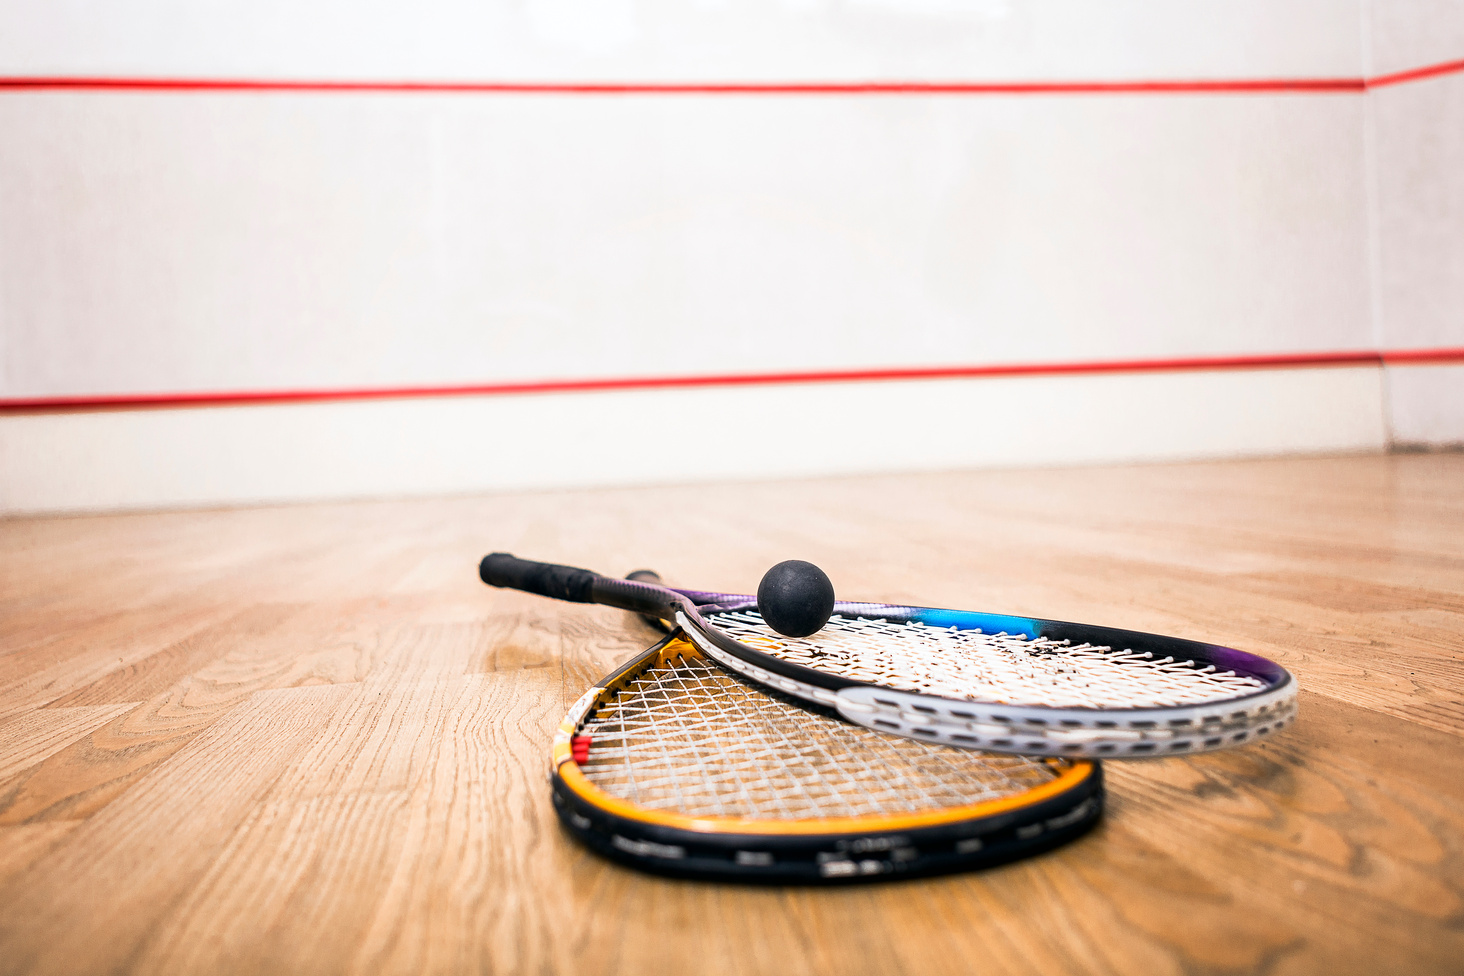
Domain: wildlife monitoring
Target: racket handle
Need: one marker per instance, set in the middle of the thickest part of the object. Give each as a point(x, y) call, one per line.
point(576, 585)
point(544, 579)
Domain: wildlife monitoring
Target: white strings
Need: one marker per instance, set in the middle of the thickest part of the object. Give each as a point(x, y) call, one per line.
point(689, 738)
point(1003, 668)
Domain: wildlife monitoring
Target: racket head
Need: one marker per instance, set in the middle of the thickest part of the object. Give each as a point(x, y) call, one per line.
point(673, 765)
point(1004, 683)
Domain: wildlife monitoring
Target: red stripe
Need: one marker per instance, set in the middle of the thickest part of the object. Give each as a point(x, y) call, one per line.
point(1243, 86)
point(1416, 74)
point(1193, 86)
point(1406, 357)
point(219, 398)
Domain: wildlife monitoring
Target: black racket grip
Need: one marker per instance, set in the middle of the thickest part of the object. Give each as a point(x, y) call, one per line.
point(545, 579)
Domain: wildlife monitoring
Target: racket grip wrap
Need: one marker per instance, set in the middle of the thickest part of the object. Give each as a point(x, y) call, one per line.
point(544, 579)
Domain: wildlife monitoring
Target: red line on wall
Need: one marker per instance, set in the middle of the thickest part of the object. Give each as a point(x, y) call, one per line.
point(1281, 85)
point(1218, 86)
point(1192, 86)
point(1193, 364)
point(1415, 357)
point(1416, 74)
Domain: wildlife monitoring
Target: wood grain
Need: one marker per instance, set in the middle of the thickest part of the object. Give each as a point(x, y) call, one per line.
point(306, 739)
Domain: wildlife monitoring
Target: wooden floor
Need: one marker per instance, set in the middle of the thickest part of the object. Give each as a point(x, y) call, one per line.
point(307, 739)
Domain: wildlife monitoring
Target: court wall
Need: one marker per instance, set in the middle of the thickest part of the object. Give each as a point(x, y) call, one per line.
point(1418, 139)
point(452, 290)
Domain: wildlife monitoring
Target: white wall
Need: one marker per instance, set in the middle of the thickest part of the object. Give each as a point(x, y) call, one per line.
point(676, 40)
point(182, 241)
point(1418, 133)
point(223, 242)
point(1402, 35)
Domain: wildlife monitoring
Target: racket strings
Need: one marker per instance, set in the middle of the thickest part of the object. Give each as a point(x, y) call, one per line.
point(1006, 668)
point(690, 738)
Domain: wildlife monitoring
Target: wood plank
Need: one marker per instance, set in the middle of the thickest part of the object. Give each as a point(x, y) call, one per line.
point(34, 736)
point(59, 652)
point(230, 664)
point(21, 846)
point(129, 864)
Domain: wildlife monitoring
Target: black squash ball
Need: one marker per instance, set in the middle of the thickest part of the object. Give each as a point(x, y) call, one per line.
point(795, 598)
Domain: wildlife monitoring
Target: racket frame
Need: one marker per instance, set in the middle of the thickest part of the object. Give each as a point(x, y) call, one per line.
point(1035, 730)
point(817, 850)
